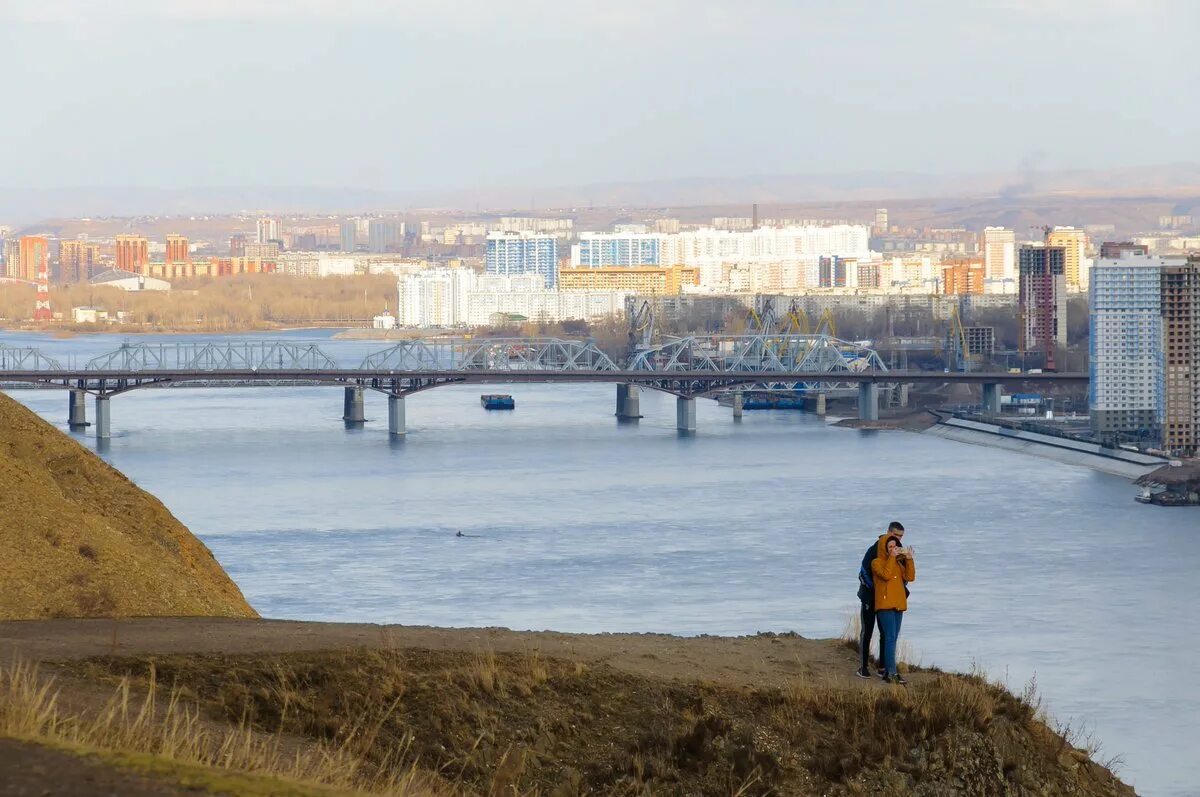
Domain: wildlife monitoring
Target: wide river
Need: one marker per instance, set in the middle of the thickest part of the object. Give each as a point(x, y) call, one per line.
point(577, 523)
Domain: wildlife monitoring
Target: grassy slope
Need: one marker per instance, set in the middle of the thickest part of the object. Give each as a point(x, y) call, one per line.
point(81, 540)
point(524, 724)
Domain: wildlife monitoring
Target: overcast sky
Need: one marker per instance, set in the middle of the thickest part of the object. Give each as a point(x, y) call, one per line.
point(484, 93)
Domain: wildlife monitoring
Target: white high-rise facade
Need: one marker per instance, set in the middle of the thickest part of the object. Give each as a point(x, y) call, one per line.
point(267, 230)
point(434, 298)
point(1126, 363)
point(999, 260)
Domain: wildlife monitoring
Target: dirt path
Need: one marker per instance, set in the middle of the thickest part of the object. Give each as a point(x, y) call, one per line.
point(30, 770)
point(767, 660)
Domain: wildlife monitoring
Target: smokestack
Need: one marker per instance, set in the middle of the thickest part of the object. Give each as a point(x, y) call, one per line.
point(754, 216)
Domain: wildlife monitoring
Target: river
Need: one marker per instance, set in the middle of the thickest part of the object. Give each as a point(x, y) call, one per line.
point(577, 523)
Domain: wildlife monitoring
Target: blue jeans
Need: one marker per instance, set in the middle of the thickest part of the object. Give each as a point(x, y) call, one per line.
point(889, 626)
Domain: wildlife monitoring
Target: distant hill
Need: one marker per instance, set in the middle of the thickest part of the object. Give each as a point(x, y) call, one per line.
point(78, 539)
point(28, 205)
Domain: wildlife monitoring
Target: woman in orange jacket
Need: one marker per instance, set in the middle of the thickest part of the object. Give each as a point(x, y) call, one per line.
point(891, 573)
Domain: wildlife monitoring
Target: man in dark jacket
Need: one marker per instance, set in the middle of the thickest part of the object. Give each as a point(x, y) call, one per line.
point(866, 596)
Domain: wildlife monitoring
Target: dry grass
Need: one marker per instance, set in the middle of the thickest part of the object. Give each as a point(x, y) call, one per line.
point(168, 727)
point(906, 658)
point(523, 723)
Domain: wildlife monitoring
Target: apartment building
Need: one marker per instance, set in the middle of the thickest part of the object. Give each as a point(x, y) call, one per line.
point(649, 280)
point(1145, 350)
point(1043, 298)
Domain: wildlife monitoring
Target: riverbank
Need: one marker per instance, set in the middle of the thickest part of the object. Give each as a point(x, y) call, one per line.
point(474, 711)
point(1125, 464)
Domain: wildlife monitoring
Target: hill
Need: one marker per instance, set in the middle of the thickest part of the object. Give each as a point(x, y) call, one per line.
point(81, 540)
point(417, 711)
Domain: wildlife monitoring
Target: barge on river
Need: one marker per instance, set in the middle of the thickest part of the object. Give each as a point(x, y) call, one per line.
point(497, 401)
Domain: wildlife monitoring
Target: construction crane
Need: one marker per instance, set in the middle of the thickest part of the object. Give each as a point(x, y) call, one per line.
point(761, 318)
point(642, 322)
point(958, 353)
point(796, 320)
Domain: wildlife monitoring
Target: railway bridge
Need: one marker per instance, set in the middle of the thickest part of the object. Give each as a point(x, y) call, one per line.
point(688, 368)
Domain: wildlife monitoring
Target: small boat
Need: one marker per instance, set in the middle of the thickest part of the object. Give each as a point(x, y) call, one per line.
point(497, 401)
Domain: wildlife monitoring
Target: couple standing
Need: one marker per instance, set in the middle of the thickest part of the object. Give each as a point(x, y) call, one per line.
point(883, 579)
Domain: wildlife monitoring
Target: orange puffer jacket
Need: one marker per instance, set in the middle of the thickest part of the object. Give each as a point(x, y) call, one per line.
point(890, 577)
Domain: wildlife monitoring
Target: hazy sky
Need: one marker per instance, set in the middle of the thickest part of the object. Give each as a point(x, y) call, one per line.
point(483, 93)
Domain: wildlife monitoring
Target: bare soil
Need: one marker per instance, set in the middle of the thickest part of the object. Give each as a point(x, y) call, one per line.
point(79, 539)
point(31, 770)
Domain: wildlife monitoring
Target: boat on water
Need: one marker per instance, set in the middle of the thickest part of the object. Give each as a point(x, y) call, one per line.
point(497, 401)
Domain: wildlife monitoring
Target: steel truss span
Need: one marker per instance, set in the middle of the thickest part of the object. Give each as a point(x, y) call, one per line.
point(687, 367)
point(762, 354)
point(490, 354)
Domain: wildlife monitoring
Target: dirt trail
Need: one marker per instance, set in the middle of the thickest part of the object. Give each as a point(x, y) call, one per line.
point(30, 770)
point(767, 660)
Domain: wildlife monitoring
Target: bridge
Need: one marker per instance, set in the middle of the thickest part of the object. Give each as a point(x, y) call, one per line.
point(688, 368)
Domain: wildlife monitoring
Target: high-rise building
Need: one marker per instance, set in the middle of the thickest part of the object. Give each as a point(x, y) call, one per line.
point(237, 245)
point(963, 276)
point(178, 249)
point(33, 257)
point(881, 220)
point(1181, 351)
point(1144, 351)
point(1074, 244)
point(348, 231)
point(1043, 299)
point(133, 253)
point(511, 253)
point(267, 230)
point(385, 235)
point(627, 249)
point(12, 256)
point(434, 298)
point(78, 261)
point(1000, 258)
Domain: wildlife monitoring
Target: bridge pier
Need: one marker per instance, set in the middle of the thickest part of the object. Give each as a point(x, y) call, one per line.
point(868, 401)
point(738, 402)
point(103, 425)
point(821, 403)
point(352, 405)
point(77, 410)
point(904, 390)
point(396, 426)
point(685, 414)
point(629, 402)
point(991, 398)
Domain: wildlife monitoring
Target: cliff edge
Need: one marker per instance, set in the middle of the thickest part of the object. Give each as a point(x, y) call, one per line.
point(78, 539)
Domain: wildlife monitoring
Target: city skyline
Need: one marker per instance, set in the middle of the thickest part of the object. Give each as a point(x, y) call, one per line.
point(409, 97)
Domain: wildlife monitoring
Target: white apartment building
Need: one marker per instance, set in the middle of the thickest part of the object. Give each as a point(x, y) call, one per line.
point(1127, 365)
point(999, 260)
point(267, 230)
point(434, 298)
point(527, 296)
point(316, 264)
point(617, 249)
point(532, 224)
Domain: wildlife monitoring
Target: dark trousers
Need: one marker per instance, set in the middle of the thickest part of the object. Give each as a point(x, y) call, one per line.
point(867, 620)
